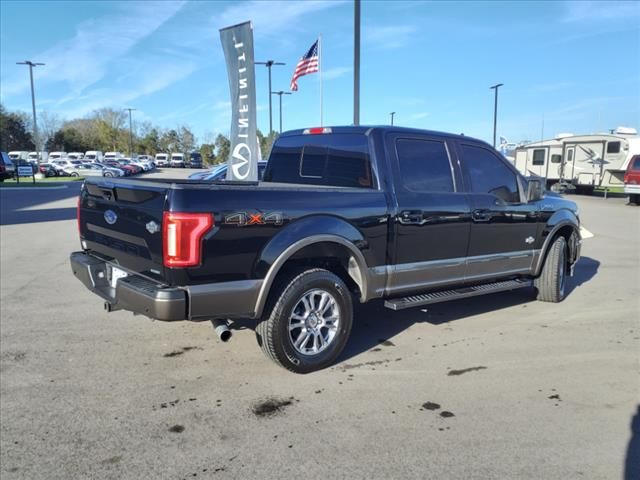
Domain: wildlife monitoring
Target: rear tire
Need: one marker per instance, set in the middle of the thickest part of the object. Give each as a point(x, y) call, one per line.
point(634, 199)
point(307, 321)
point(552, 281)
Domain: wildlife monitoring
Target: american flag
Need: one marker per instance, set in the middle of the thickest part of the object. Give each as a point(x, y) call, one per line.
point(307, 64)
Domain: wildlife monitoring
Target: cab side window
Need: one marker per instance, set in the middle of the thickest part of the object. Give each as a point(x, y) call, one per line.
point(489, 174)
point(424, 166)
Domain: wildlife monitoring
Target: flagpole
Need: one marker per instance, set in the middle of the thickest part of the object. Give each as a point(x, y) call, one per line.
point(320, 72)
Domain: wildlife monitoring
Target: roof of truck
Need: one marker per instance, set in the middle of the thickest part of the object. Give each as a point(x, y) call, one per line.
point(366, 129)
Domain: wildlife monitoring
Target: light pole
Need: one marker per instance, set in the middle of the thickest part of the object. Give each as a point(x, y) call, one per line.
point(280, 93)
point(495, 111)
point(356, 62)
point(269, 64)
point(33, 106)
point(130, 132)
point(392, 114)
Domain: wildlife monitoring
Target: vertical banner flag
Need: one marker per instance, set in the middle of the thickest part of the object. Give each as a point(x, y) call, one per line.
point(237, 43)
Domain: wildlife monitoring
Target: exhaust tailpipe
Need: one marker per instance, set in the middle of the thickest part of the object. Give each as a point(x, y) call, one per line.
point(110, 307)
point(222, 329)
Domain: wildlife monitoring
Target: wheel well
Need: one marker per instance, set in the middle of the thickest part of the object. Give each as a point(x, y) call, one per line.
point(334, 257)
point(567, 232)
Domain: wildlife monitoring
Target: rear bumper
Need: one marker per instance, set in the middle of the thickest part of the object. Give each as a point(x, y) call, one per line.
point(631, 189)
point(139, 294)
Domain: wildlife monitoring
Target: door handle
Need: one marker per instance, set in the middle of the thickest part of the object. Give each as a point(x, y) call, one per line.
point(410, 217)
point(481, 215)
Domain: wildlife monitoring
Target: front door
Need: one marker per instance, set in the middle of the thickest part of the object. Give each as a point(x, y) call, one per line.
point(432, 219)
point(504, 225)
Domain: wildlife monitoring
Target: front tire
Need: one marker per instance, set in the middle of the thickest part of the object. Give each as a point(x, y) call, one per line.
point(307, 321)
point(551, 283)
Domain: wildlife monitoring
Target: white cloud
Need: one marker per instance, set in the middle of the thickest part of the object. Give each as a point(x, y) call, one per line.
point(580, 12)
point(335, 72)
point(269, 18)
point(418, 115)
point(388, 36)
point(84, 60)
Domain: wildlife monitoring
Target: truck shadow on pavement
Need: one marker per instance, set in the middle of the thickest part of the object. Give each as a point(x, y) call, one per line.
point(632, 459)
point(19, 207)
point(374, 325)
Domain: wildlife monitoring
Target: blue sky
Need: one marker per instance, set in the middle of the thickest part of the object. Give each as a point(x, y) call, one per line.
point(574, 64)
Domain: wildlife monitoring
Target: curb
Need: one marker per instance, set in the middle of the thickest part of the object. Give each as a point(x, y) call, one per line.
point(5, 189)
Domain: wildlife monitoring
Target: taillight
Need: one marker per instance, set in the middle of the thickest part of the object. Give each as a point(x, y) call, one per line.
point(316, 131)
point(182, 237)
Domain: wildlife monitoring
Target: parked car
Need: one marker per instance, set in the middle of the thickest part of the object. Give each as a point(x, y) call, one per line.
point(86, 170)
point(162, 160)
point(7, 168)
point(48, 170)
point(111, 156)
point(126, 162)
point(177, 160)
point(53, 156)
point(410, 216)
point(110, 171)
point(195, 160)
point(75, 156)
point(36, 157)
point(219, 173)
point(94, 156)
point(632, 180)
point(18, 155)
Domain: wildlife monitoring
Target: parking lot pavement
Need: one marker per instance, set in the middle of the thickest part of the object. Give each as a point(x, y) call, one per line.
point(490, 387)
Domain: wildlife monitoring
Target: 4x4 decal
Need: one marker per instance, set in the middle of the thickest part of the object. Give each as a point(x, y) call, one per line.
point(243, 219)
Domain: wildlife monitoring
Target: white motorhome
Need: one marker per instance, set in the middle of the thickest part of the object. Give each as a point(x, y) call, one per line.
point(162, 159)
point(18, 155)
point(94, 156)
point(583, 161)
point(57, 156)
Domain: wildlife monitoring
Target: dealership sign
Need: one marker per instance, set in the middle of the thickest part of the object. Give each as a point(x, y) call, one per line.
point(237, 43)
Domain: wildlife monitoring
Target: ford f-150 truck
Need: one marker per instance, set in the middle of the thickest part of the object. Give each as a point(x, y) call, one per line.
point(343, 214)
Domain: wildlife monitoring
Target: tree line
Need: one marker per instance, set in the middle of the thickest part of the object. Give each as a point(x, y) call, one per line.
point(107, 129)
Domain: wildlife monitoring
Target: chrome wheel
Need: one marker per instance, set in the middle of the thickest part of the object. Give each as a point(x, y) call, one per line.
point(314, 322)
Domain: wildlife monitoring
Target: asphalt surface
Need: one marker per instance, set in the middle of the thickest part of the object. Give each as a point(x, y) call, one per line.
point(499, 386)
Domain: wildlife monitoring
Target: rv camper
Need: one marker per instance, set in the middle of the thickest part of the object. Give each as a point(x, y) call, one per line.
point(583, 162)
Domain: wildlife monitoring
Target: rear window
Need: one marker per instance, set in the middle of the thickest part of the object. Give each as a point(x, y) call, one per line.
point(339, 160)
point(635, 163)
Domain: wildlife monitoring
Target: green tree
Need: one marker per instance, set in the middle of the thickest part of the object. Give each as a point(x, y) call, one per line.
point(206, 151)
point(186, 139)
point(14, 134)
point(266, 143)
point(223, 148)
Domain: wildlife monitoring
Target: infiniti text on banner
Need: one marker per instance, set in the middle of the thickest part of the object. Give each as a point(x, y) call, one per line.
point(237, 43)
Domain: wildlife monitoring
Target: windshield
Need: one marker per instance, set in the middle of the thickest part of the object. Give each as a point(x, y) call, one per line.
point(90, 157)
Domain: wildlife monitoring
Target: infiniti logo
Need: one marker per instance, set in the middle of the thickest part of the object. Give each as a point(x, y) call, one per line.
point(110, 217)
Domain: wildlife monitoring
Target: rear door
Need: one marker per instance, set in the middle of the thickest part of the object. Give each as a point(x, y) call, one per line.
point(123, 222)
point(504, 226)
point(432, 219)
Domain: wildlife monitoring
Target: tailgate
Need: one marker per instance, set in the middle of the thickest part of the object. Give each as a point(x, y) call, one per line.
point(123, 222)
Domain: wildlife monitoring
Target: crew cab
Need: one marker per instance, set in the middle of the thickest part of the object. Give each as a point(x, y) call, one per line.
point(343, 214)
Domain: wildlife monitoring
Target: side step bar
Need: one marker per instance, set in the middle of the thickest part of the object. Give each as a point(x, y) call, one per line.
point(446, 295)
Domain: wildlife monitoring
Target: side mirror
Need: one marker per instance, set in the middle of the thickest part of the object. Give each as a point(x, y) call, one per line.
point(535, 189)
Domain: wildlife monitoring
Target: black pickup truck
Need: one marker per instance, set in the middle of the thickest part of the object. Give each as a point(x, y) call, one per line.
point(342, 214)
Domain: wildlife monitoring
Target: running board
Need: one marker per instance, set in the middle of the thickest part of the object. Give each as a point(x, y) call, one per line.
point(446, 295)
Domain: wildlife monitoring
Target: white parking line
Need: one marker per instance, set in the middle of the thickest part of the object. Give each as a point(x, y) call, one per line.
point(584, 233)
